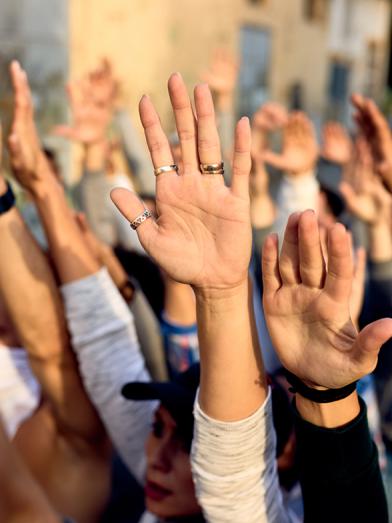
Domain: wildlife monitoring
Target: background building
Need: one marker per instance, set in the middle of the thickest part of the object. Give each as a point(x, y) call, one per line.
point(307, 53)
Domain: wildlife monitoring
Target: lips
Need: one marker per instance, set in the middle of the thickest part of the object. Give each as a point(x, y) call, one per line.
point(156, 492)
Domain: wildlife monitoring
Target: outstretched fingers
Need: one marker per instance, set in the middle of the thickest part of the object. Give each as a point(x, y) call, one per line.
point(157, 141)
point(207, 132)
point(22, 95)
point(311, 260)
point(185, 123)
point(339, 278)
point(242, 159)
point(289, 256)
point(270, 265)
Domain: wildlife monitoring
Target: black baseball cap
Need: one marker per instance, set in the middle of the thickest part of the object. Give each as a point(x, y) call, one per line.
point(177, 396)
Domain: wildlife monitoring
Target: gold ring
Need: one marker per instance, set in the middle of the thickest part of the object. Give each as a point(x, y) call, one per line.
point(212, 168)
point(165, 169)
point(140, 219)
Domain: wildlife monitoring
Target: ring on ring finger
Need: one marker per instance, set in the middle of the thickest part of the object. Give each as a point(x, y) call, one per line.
point(212, 168)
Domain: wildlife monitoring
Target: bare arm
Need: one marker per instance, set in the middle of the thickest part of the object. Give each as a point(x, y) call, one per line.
point(21, 499)
point(32, 299)
point(102, 328)
point(224, 311)
point(203, 238)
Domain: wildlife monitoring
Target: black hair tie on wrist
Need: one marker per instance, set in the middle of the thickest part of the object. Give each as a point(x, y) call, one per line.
point(7, 200)
point(318, 396)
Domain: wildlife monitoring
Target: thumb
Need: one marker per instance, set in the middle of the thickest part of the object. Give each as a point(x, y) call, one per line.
point(131, 207)
point(372, 337)
point(15, 151)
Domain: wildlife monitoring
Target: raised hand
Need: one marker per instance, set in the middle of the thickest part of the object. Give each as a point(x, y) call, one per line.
point(362, 190)
point(202, 235)
point(222, 74)
point(300, 148)
point(26, 156)
point(337, 145)
point(269, 117)
point(375, 129)
point(307, 306)
point(91, 116)
point(104, 85)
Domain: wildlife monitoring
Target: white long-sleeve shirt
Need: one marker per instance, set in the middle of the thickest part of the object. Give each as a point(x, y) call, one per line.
point(295, 193)
point(234, 468)
point(105, 342)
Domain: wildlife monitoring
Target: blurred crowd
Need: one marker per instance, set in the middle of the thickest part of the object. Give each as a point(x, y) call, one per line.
point(195, 330)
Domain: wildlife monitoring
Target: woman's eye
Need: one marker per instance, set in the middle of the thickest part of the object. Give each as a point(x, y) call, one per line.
point(157, 429)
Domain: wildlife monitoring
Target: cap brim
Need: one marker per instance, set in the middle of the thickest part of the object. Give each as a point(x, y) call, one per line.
point(175, 398)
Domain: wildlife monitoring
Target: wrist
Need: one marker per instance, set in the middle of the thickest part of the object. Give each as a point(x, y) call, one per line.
point(205, 295)
point(380, 239)
point(45, 182)
point(225, 101)
point(329, 415)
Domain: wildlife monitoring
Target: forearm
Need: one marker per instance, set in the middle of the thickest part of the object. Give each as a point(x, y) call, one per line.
point(105, 341)
point(245, 488)
point(233, 384)
point(95, 156)
point(33, 301)
point(380, 242)
point(180, 304)
point(26, 280)
point(338, 463)
point(328, 415)
point(21, 499)
point(72, 257)
point(120, 278)
point(262, 211)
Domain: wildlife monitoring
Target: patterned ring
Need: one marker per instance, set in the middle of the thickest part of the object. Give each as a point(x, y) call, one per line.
point(140, 219)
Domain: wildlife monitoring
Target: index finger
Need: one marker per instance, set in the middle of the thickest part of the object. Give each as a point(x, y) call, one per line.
point(157, 141)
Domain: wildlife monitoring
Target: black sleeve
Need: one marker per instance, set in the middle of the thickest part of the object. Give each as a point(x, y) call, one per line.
point(339, 473)
point(378, 304)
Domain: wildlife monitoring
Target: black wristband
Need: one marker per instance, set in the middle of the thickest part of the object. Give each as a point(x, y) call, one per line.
point(7, 201)
point(318, 396)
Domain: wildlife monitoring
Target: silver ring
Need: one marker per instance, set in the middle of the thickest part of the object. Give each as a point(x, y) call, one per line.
point(212, 168)
point(140, 219)
point(165, 169)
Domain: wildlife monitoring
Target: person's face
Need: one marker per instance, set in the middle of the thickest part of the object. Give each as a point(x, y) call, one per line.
point(169, 489)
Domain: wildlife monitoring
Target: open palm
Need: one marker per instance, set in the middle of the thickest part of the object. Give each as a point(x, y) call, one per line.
point(202, 235)
point(300, 148)
point(307, 307)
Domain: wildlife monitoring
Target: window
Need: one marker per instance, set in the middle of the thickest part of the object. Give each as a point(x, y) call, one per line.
point(375, 55)
point(339, 89)
point(255, 62)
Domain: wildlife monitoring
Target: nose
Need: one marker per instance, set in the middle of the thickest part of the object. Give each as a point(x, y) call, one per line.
point(161, 457)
